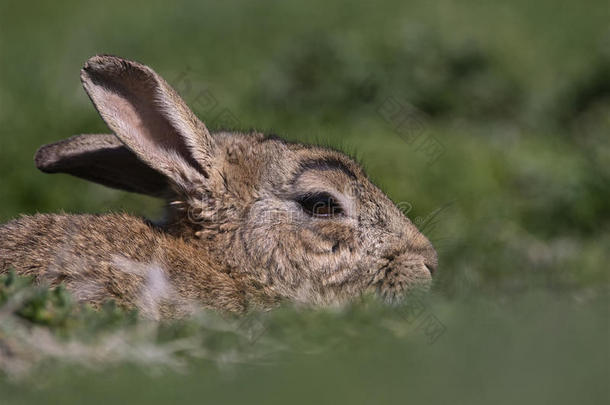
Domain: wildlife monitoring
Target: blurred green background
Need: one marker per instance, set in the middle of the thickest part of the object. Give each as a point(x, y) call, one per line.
point(515, 98)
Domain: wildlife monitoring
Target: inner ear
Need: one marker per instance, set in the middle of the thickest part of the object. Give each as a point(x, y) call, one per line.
point(148, 118)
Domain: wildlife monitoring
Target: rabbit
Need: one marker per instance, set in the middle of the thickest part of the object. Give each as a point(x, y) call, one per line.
point(251, 220)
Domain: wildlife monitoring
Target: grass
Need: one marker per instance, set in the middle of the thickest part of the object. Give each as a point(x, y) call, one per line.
point(516, 97)
point(479, 350)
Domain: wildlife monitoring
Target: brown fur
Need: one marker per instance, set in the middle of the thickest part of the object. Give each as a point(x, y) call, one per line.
point(237, 234)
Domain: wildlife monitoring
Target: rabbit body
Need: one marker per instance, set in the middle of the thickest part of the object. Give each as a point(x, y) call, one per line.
point(124, 258)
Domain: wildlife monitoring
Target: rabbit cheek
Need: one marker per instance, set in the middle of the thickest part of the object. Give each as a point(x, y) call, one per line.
point(314, 244)
point(335, 238)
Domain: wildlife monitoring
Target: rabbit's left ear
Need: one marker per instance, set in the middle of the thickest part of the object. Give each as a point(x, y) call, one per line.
point(151, 119)
point(102, 159)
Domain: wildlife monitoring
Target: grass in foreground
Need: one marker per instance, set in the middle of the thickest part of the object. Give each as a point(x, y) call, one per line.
point(531, 348)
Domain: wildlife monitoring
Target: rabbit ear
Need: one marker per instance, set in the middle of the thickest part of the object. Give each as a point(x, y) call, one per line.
point(103, 159)
point(149, 117)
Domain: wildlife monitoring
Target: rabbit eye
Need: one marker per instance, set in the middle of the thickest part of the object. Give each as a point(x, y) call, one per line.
point(321, 205)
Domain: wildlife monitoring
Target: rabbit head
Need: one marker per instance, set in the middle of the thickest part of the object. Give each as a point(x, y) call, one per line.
point(304, 221)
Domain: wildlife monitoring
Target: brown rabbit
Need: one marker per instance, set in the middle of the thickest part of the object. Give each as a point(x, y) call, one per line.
point(251, 220)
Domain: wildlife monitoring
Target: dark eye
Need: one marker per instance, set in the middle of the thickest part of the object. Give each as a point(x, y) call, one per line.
point(321, 205)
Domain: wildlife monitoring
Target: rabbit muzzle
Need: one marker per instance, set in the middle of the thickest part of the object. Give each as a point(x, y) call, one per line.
point(409, 262)
point(402, 273)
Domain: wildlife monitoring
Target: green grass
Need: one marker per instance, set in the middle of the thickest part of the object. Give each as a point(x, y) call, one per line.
point(516, 93)
point(535, 348)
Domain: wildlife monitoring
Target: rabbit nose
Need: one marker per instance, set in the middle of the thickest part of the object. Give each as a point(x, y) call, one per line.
point(430, 259)
point(431, 267)
point(427, 252)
